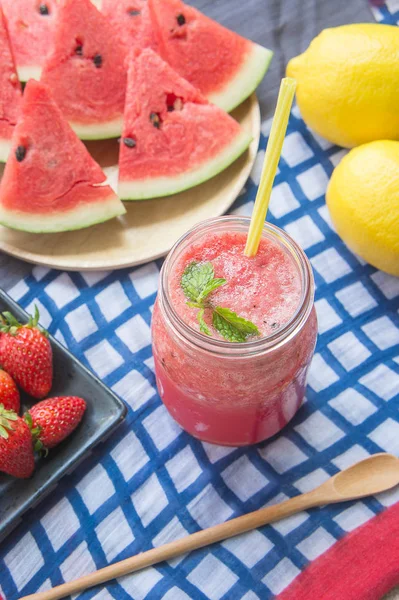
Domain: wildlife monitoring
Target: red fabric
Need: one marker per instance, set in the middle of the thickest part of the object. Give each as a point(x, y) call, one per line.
point(364, 565)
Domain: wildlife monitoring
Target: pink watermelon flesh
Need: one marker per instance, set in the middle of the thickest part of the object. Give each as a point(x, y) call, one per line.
point(86, 71)
point(132, 21)
point(10, 92)
point(31, 26)
point(51, 183)
point(173, 138)
point(225, 66)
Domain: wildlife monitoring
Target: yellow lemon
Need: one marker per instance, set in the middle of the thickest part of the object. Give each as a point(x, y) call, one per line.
point(348, 89)
point(363, 200)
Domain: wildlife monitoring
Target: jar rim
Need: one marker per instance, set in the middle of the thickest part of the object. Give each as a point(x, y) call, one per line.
point(253, 346)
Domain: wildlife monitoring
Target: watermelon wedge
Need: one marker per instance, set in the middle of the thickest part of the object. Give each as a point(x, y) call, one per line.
point(51, 183)
point(86, 72)
point(31, 26)
point(173, 138)
point(132, 20)
point(224, 66)
point(10, 92)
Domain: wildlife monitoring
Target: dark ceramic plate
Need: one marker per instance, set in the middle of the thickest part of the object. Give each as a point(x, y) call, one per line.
point(104, 412)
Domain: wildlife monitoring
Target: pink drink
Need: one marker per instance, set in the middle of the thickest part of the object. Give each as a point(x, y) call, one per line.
point(236, 393)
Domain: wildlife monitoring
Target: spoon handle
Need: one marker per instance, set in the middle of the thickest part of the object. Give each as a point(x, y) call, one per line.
point(189, 543)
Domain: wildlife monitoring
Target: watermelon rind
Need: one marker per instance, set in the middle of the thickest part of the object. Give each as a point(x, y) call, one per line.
point(166, 186)
point(5, 147)
point(246, 80)
point(80, 217)
point(99, 131)
point(26, 73)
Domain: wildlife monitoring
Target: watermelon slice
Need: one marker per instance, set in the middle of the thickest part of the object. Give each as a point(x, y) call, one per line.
point(10, 92)
point(31, 26)
point(86, 72)
point(131, 18)
point(226, 67)
point(173, 138)
point(51, 183)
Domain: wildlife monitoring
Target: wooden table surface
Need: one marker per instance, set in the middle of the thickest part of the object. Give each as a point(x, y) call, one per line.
point(285, 26)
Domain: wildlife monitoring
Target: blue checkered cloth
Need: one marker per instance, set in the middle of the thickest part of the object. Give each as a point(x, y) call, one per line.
point(152, 483)
point(388, 13)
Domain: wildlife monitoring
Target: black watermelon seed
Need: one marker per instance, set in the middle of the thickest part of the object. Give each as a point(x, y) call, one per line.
point(98, 60)
point(129, 142)
point(20, 153)
point(43, 9)
point(181, 19)
point(171, 108)
point(275, 325)
point(79, 50)
point(155, 120)
point(133, 12)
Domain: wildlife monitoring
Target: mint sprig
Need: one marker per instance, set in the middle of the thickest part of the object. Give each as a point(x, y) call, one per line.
point(198, 282)
point(231, 326)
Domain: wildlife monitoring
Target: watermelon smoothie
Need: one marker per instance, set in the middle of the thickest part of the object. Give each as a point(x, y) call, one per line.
point(230, 393)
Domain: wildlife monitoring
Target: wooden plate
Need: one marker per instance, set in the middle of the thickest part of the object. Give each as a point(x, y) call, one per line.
point(150, 228)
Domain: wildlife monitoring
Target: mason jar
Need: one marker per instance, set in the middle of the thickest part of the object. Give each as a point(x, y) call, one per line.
point(228, 393)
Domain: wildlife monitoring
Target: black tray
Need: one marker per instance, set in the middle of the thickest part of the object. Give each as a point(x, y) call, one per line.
point(104, 413)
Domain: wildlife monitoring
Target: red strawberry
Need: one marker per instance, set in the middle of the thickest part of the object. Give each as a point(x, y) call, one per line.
point(16, 448)
point(25, 353)
point(9, 394)
point(52, 420)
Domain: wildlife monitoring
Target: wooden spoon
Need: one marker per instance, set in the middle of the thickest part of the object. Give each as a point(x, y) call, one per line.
point(373, 475)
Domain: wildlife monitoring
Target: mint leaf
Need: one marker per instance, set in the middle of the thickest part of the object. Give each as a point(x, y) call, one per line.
point(197, 282)
point(203, 326)
point(212, 285)
point(232, 327)
point(195, 279)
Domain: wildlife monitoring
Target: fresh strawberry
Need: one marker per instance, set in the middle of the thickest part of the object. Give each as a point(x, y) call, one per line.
point(9, 394)
point(52, 420)
point(16, 447)
point(25, 353)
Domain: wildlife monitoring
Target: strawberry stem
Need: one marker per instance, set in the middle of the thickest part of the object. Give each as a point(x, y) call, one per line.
point(9, 324)
point(33, 321)
point(38, 445)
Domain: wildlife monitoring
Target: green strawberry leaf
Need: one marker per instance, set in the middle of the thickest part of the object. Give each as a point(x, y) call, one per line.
point(9, 323)
point(3, 432)
point(232, 327)
point(6, 419)
point(34, 320)
point(35, 431)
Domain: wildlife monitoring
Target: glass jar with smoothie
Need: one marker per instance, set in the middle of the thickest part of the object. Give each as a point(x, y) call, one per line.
point(244, 391)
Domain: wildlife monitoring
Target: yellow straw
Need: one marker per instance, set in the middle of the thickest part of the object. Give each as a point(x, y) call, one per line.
point(272, 157)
